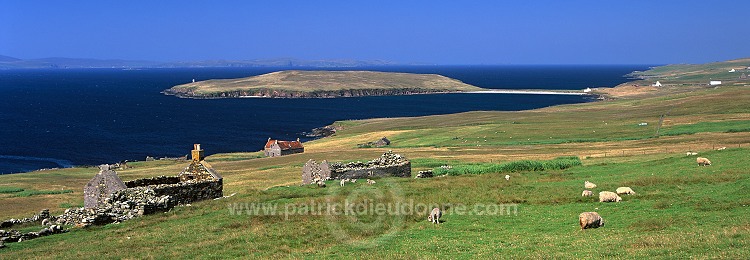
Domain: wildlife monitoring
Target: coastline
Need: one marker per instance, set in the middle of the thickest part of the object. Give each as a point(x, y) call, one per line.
point(530, 92)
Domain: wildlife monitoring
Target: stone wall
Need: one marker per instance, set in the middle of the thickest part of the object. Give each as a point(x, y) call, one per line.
point(153, 181)
point(101, 186)
point(313, 172)
point(387, 165)
point(187, 192)
point(398, 170)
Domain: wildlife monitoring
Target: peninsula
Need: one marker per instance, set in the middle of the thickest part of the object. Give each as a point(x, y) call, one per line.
point(321, 84)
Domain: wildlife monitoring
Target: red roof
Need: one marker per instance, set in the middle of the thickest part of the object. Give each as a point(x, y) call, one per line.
point(285, 145)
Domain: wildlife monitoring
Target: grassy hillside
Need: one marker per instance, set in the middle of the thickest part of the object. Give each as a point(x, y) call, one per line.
point(680, 78)
point(322, 84)
point(681, 210)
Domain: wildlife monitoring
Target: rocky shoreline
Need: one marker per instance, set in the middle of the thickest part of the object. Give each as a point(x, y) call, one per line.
point(269, 93)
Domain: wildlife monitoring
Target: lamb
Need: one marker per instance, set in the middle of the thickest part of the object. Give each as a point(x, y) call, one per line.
point(691, 153)
point(507, 177)
point(608, 196)
point(703, 161)
point(371, 182)
point(589, 185)
point(321, 183)
point(353, 180)
point(435, 215)
point(625, 190)
point(343, 181)
point(590, 220)
point(721, 148)
point(587, 193)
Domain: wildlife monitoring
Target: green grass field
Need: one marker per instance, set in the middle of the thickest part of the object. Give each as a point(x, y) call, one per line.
point(681, 210)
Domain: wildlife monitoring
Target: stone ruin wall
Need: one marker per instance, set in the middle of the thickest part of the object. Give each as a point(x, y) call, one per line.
point(398, 170)
point(312, 172)
point(152, 181)
point(180, 192)
point(387, 165)
point(187, 192)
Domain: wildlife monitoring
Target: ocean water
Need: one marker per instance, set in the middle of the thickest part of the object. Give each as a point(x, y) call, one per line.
point(66, 117)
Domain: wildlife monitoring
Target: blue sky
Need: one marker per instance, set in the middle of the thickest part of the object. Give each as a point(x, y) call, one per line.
point(434, 32)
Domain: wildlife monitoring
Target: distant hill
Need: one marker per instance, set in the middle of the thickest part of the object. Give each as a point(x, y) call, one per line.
point(321, 84)
point(7, 62)
point(8, 59)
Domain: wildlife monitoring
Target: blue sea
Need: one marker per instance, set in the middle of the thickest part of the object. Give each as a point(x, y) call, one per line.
point(65, 117)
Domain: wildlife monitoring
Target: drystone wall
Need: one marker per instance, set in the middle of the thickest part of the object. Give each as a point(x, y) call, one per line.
point(152, 181)
point(387, 165)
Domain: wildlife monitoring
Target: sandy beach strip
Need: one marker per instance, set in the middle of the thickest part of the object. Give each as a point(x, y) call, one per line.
point(530, 91)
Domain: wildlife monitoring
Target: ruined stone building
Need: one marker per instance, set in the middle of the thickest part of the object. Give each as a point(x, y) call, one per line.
point(275, 148)
point(198, 181)
point(387, 165)
point(101, 187)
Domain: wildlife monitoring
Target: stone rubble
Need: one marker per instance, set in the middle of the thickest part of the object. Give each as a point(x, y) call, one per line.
point(424, 174)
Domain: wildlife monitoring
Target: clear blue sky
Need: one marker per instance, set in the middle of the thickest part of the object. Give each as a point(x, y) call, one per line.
point(437, 32)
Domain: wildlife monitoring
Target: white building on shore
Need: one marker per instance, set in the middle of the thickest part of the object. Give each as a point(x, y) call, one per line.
point(714, 82)
point(657, 84)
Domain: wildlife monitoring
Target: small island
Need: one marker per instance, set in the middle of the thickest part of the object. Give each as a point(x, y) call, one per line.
point(322, 84)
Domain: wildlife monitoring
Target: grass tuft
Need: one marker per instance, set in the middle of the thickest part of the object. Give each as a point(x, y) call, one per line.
point(29, 193)
point(10, 190)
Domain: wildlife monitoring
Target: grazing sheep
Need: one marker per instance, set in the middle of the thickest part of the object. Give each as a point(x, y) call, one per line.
point(608, 196)
point(590, 220)
point(507, 177)
point(691, 153)
point(353, 180)
point(625, 190)
point(321, 184)
point(435, 215)
point(721, 148)
point(703, 161)
point(589, 185)
point(371, 182)
point(342, 182)
point(587, 193)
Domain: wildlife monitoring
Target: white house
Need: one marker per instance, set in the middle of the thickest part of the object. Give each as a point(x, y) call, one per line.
point(714, 82)
point(732, 70)
point(657, 84)
point(587, 90)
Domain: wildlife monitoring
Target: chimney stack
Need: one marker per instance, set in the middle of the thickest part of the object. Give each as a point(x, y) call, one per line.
point(197, 153)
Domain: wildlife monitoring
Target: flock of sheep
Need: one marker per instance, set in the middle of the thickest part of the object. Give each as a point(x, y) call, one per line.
point(592, 219)
point(344, 181)
point(585, 219)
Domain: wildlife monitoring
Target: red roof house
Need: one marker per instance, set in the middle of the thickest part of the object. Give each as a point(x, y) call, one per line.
point(275, 148)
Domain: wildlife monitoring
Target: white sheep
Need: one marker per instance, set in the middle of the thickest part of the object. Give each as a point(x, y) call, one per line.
point(353, 180)
point(608, 196)
point(435, 215)
point(703, 161)
point(342, 182)
point(625, 190)
point(371, 182)
point(587, 193)
point(589, 185)
point(691, 153)
point(590, 220)
point(721, 148)
point(507, 177)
